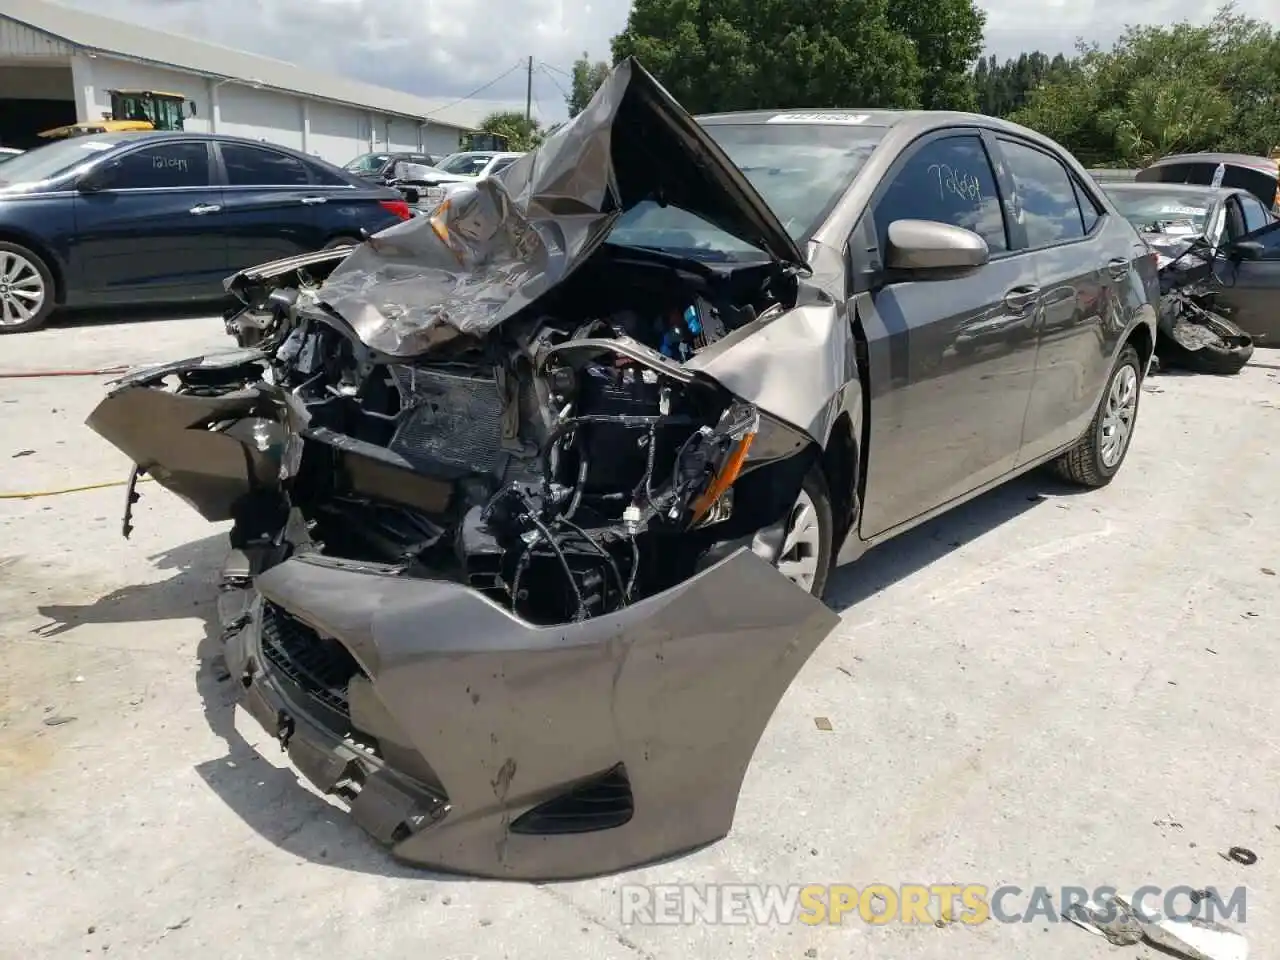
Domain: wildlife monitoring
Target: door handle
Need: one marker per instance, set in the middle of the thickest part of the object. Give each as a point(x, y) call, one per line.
point(200, 209)
point(1118, 268)
point(1020, 299)
point(312, 201)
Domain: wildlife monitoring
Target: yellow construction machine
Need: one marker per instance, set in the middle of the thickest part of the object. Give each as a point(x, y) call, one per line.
point(131, 110)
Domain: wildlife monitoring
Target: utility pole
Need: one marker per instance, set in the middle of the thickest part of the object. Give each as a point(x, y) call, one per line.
point(528, 93)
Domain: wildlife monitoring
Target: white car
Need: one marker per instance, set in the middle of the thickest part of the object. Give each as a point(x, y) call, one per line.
point(8, 153)
point(466, 167)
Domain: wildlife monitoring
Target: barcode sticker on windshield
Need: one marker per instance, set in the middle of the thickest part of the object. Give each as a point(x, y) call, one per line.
point(1186, 211)
point(852, 118)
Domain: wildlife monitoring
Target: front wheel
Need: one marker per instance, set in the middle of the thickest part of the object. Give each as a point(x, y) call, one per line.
point(1097, 456)
point(805, 557)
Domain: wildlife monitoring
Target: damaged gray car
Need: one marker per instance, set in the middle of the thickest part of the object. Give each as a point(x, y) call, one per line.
point(534, 499)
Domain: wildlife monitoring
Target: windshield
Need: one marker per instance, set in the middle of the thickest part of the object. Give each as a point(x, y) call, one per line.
point(799, 169)
point(52, 159)
point(367, 163)
point(1155, 211)
point(465, 164)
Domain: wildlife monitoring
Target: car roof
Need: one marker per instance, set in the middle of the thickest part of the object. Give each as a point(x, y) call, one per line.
point(918, 121)
point(1182, 189)
point(137, 136)
point(1263, 164)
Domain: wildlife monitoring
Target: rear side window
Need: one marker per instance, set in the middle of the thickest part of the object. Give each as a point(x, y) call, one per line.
point(949, 180)
point(1090, 213)
point(327, 178)
point(1044, 197)
point(255, 167)
point(163, 165)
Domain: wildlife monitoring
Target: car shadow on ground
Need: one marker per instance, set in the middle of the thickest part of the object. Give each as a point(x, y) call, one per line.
point(109, 316)
point(885, 565)
point(269, 799)
point(273, 801)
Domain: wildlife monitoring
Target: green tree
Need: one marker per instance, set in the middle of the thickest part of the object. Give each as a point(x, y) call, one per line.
point(715, 55)
point(947, 35)
point(521, 134)
point(1002, 88)
point(1169, 88)
point(587, 78)
point(1159, 118)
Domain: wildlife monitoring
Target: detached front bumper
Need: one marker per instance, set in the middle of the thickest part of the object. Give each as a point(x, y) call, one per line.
point(470, 741)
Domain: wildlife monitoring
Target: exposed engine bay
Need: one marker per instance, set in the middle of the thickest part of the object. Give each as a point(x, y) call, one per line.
point(513, 506)
point(564, 464)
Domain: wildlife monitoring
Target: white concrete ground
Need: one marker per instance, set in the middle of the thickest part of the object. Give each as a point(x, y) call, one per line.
point(1045, 688)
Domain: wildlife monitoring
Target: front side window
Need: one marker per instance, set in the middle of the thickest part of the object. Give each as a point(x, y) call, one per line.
point(163, 165)
point(1255, 214)
point(948, 180)
point(1044, 198)
point(254, 167)
point(1269, 237)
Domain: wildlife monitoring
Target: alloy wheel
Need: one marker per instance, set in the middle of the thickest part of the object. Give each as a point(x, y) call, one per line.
point(802, 546)
point(22, 289)
point(1117, 418)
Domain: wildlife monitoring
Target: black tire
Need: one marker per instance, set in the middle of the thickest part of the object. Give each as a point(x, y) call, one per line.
point(36, 263)
point(814, 488)
point(342, 242)
point(1205, 342)
point(1084, 463)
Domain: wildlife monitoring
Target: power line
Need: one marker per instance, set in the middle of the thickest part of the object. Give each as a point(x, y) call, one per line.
point(548, 66)
point(547, 73)
point(518, 65)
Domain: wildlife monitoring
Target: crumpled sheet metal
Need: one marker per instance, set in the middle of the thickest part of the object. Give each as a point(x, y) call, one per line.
point(493, 247)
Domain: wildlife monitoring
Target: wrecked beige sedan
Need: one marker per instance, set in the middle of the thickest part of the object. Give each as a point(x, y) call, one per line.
point(533, 499)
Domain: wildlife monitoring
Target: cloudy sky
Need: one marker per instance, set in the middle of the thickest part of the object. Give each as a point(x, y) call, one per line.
point(447, 48)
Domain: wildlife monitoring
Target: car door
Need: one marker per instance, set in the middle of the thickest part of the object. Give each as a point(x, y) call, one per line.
point(148, 228)
point(348, 210)
point(269, 204)
point(951, 361)
point(1251, 288)
point(1082, 259)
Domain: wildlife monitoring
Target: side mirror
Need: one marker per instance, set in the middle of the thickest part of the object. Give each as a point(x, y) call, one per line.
point(1246, 250)
point(411, 194)
point(929, 250)
point(99, 178)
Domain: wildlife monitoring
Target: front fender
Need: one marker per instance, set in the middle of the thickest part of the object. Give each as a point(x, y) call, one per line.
point(212, 448)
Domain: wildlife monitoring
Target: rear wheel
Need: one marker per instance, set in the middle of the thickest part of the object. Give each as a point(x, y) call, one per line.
point(26, 290)
point(341, 242)
point(1097, 456)
point(805, 557)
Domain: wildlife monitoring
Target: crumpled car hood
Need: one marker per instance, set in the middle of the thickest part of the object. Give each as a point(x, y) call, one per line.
point(495, 247)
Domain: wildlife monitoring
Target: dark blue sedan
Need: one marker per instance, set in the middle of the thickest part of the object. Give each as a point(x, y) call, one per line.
point(130, 218)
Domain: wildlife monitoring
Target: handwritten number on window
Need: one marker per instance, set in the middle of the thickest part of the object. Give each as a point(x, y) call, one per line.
point(160, 162)
point(957, 183)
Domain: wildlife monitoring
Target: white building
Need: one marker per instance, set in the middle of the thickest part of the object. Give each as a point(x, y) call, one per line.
point(58, 66)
